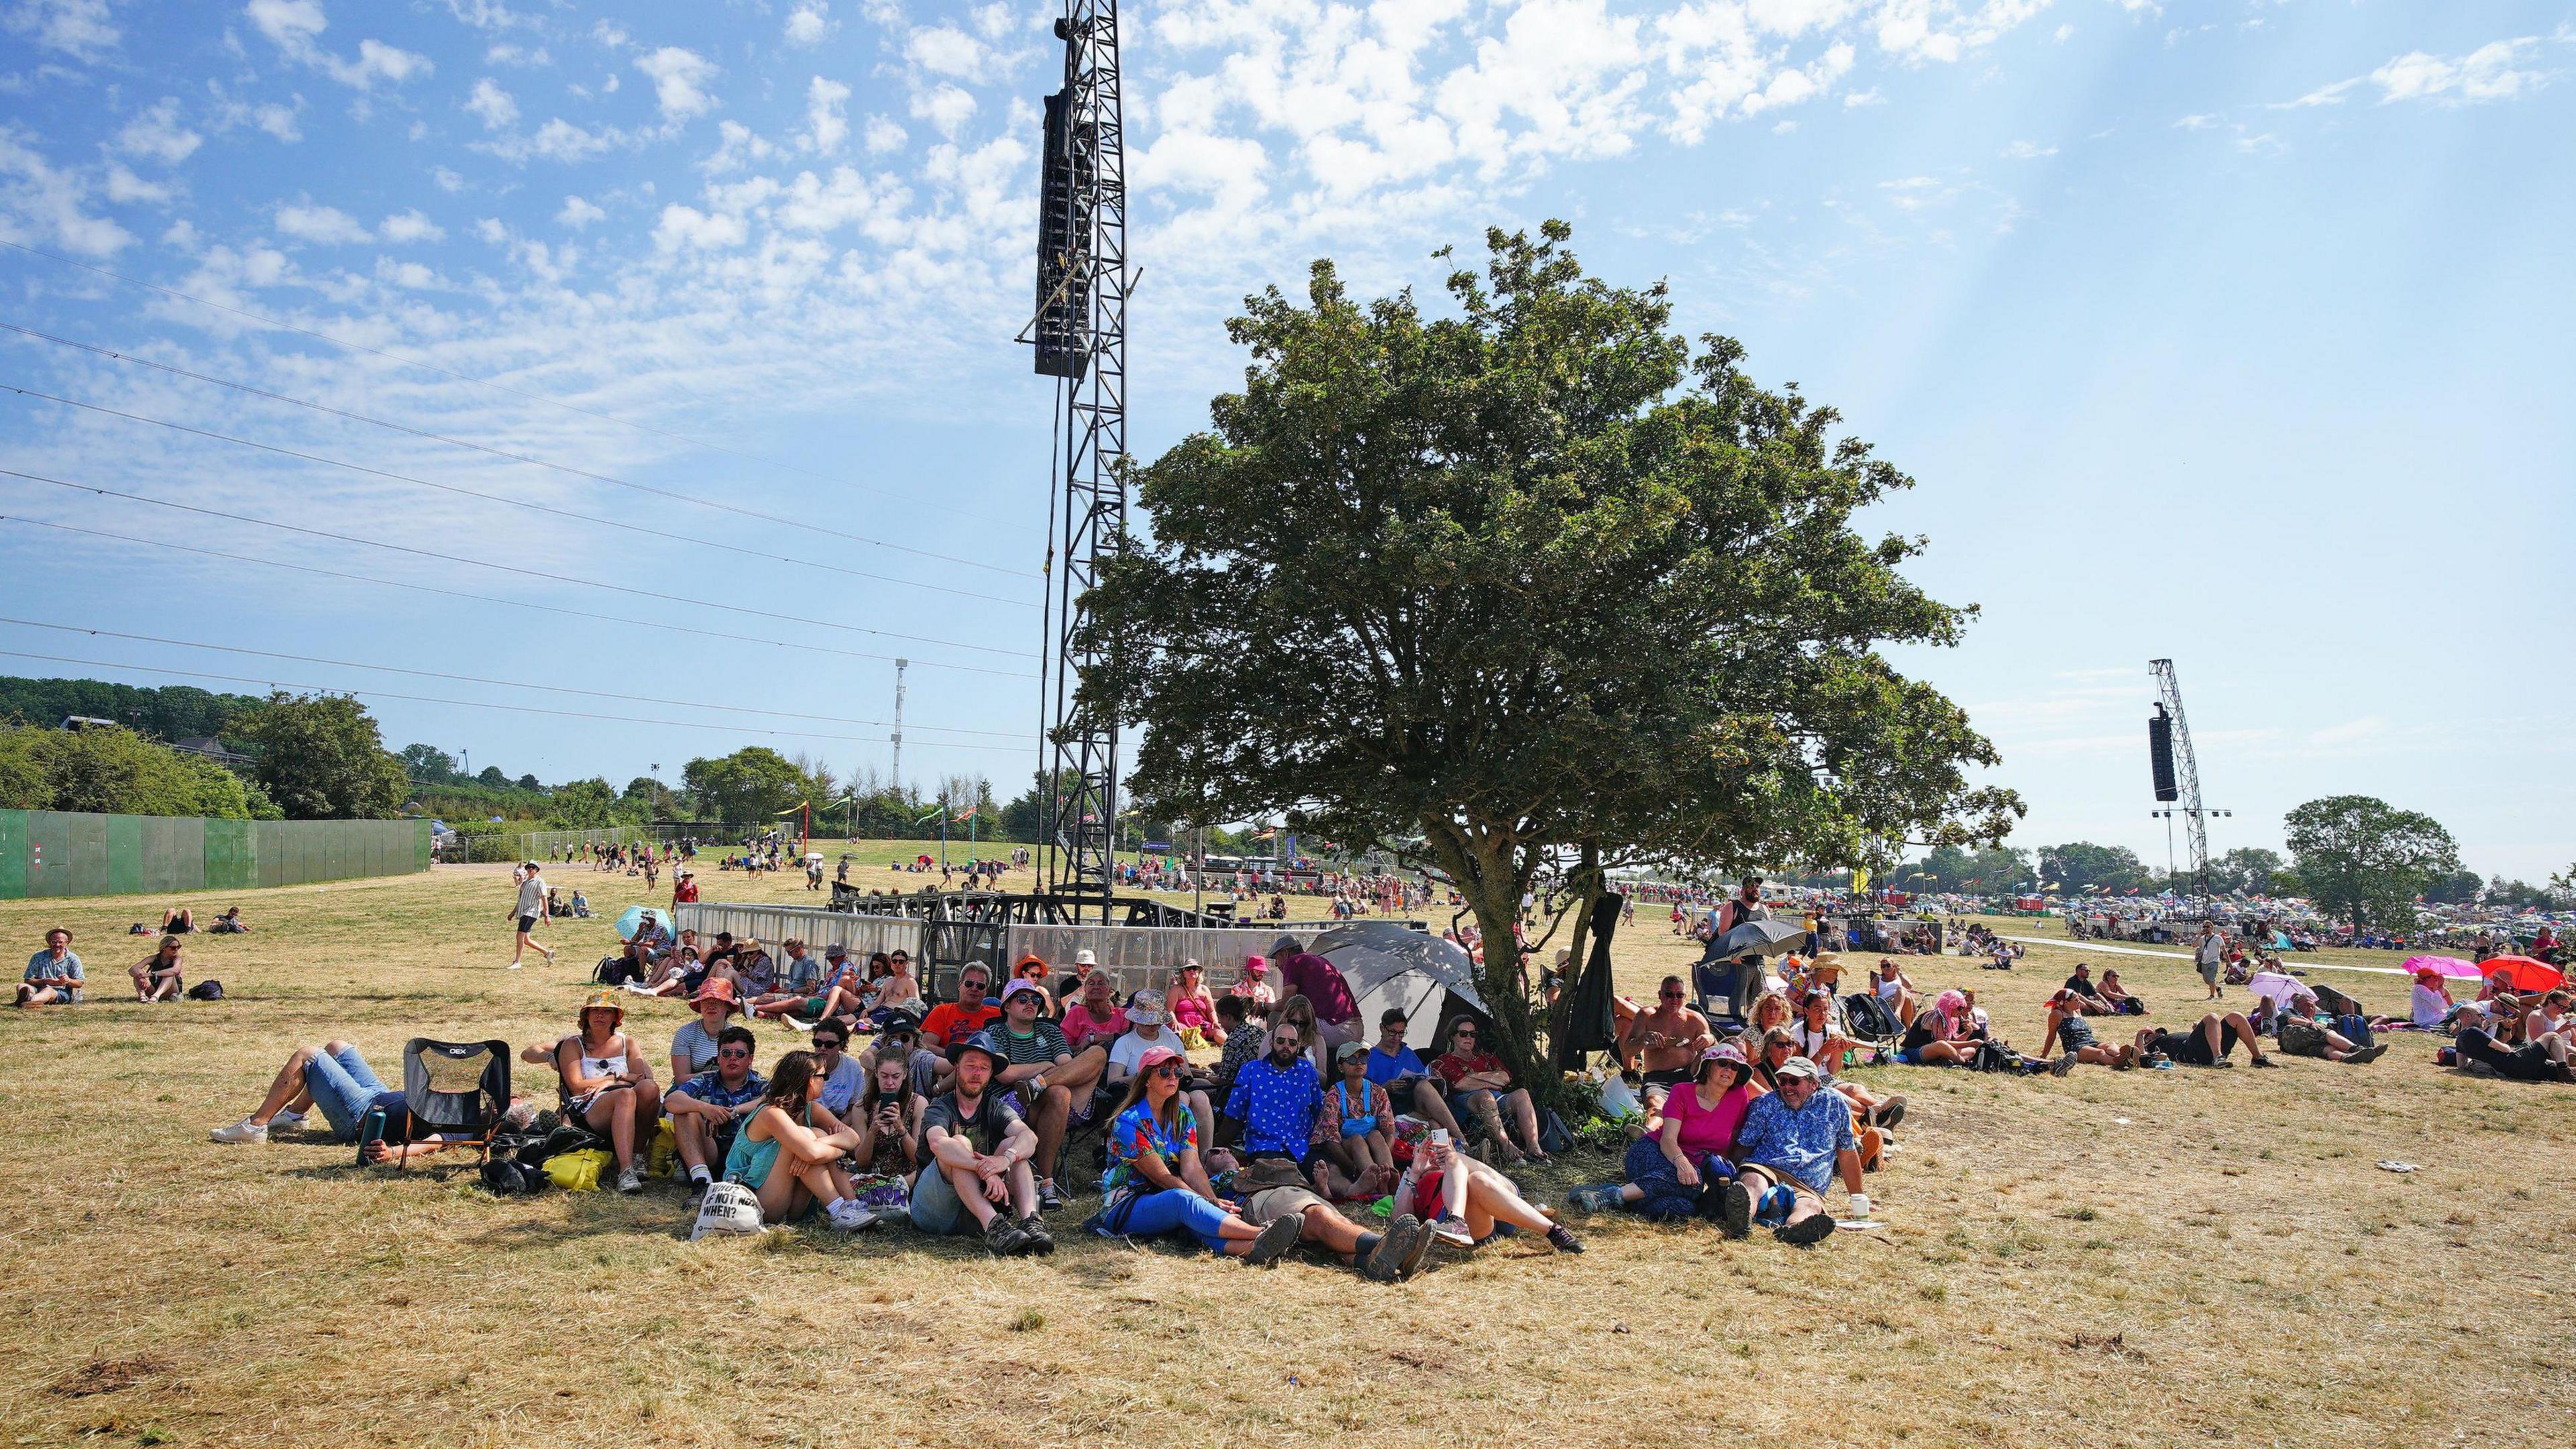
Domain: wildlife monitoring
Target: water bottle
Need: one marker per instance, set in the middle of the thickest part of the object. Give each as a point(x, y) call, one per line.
point(371, 1128)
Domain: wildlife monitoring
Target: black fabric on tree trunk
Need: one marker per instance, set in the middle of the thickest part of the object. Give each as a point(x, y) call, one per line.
point(1592, 1026)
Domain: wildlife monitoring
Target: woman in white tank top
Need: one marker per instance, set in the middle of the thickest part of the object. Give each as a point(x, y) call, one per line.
point(608, 1085)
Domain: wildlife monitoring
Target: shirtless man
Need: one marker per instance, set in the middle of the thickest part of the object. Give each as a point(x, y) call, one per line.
point(1666, 1042)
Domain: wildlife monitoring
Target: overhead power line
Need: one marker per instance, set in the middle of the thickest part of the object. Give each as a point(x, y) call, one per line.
point(500, 568)
point(488, 598)
point(478, 679)
point(476, 704)
point(505, 499)
point(342, 342)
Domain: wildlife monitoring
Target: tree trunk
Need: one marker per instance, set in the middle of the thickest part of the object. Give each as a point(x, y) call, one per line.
point(1584, 885)
point(1486, 866)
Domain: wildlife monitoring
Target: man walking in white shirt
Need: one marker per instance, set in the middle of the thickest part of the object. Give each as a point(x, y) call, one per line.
point(531, 909)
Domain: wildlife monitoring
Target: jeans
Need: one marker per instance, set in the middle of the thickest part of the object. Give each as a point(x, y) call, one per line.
point(342, 1087)
point(1152, 1214)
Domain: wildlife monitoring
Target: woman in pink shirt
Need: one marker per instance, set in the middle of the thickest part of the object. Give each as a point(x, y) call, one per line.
point(1192, 1007)
point(1671, 1171)
point(1094, 1013)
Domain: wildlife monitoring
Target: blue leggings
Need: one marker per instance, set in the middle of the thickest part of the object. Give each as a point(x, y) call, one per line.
point(1666, 1200)
point(1152, 1214)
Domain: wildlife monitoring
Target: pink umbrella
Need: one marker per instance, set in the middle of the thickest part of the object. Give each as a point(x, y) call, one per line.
point(2443, 965)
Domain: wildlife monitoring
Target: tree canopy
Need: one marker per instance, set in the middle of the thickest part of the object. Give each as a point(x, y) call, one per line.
point(321, 758)
point(2080, 866)
point(749, 786)
point(116, 771)
point(2365, 861)
point(1537, 584)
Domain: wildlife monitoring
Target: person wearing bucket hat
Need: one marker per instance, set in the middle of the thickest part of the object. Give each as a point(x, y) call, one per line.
point(1792, 1145)
point(1254, 984)
point(1676, 1172)
point(1272, 1190)
point(1054, 1082)
point(693, 1046)
point(1149, 1029)
point(608, 1084)
point(1155, 1183)
point(977, 1178)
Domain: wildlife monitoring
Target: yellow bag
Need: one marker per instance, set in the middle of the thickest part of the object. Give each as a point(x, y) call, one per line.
point(665, 1150)
point(578, 1171)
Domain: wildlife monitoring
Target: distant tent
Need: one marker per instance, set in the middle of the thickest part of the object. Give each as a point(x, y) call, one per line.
point(1430, 978)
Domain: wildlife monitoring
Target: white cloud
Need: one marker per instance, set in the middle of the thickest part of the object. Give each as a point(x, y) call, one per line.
point(491, 230)
point(2065, 32)
point(578, 213)
point(78, 28)
point(884, 135)
point(125, 188)
point(944, 106)
point(809, 23)
point(493, 105)
point(2027, 151)
point(679, 81)
point(277, 120)
point(2497, 71)
point(295, 28)
point(42, 202)
point(326, 225)
point(448, 181)
point(157, 132)
point(608, 34)
point(946, 50)
point(505, 53)
point(1870, 97)
point(410, 226)
point(687, 227)
point(828, 122)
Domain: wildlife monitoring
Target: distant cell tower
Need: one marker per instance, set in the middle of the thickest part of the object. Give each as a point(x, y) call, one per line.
point(898, 723)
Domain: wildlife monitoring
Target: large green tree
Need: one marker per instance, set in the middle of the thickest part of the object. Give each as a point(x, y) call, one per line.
point(1537, 587)
point(321, 758)
point(115, 771)
point(2079, 867)
point(748, 787)
point(2365, 861)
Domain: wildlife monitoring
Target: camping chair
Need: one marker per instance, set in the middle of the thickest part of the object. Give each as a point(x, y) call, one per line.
point(458, 1091)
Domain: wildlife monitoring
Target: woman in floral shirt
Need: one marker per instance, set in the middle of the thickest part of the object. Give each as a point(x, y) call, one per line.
point(1354, 1142)
point(1155, 1184)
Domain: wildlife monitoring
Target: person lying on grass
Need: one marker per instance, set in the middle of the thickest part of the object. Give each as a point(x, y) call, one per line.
point(977, 1177)
point(2302, 1034)
point(1467, 1202)
point(1674, 1173)
point(2205, 1043)
point(1155, 1183)
point(2544, 1060)
point(608, 1085)
point(2068, 1028)
point(53, 974)
point(708, 1109)
point(1272, 1192)
point(789, 1152)
point(1795, 1140)
point(334, 1078)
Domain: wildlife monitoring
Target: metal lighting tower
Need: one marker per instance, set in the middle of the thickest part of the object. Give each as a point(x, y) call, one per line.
point(897, 781)
point(1081, 335)
point(2177, 771)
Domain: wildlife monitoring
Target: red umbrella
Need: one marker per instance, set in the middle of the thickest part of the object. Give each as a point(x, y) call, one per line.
point(2522, 973)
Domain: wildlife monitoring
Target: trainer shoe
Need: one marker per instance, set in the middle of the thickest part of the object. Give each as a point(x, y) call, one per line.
point(1562, 1238)
point(1049, 1198)
point(1891, 1111)
point(1735, 1208)
point(1453, 1231)
point(1002, 1237)
point(631, 1179)
point(1814, 1229)
point(847, 1216)
point(1277, 1236)
point(2062, 1065)
point(2352, 1058)
point(244, 1130)
point(286, 1121)
point(1599, 1197)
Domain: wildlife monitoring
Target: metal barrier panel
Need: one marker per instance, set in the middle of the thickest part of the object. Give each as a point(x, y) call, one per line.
point(1146, 956)
point(863, 935)
point(230, 865)
point(423, 845)
point(13, 855)
point(159, 855)
point(124, 855)
point(268, 852)
point(86, 853)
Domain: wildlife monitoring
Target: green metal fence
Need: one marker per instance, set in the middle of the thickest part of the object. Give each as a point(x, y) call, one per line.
point(60, 853)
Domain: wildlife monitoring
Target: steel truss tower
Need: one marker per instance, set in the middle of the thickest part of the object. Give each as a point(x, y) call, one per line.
point(2186, 769)
point(1081, 335)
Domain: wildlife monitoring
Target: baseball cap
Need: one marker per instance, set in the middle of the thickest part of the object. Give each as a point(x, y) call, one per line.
point(895, 1021)
point(1797, 1067)
point(1348, 1050)
point(1155, 1057)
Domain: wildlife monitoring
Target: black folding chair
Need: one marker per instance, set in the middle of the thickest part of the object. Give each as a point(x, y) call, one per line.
point(457, 1092)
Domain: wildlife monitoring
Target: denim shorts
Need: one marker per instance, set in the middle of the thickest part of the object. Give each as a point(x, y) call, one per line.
point(342, 1087)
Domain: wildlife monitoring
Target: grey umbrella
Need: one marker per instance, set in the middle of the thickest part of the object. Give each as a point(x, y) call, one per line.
point(1388, 965)
point(1758, 938)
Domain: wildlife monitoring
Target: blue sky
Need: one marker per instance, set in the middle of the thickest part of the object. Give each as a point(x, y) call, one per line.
point(2229, 331)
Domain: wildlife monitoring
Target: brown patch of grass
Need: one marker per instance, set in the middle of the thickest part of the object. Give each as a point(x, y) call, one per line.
point(106, 1376)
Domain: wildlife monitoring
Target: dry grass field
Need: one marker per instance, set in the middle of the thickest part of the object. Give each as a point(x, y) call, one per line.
point(2181, 1257)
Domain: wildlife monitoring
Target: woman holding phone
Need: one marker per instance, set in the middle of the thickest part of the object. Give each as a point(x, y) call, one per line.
point(1466, 1202)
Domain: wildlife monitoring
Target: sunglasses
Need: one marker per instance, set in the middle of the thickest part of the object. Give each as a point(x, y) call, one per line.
point(1671, 995)
point(1287, 1041)
point(826, 1044)
point(735, 1054)
point(1168, 1069)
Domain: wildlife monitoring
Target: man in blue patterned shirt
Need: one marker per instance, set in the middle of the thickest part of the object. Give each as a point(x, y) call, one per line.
point(1275, 1098)
point(1796, 1140)
point(708, 1108)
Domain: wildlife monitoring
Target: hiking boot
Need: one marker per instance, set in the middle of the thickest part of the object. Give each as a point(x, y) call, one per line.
point(1423, 1238)
point(1385, 1262)
point(2355, 1058)
point(1806, 1230)
point(2265, 1062)
point(1735, 1209)
point(1562, 1238)
point(2062, 1065)
point(1277, 1236)
point(1002, 1237)
point(1598, 1198)
point(244, 1130)
point(1034, 1237)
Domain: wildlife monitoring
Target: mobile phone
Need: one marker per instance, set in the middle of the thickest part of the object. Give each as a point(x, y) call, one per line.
point(1440, 1136)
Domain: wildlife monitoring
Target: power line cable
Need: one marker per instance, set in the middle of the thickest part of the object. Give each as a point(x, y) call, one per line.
point(508, 568)
point(478, 679)
point(486, 598)
point(515, 502)
point(340, 342)
point(477, 704)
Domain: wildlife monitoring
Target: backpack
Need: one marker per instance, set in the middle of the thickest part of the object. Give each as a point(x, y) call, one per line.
point(730, 1209)
point(208, 990)
point(615, 971)
point(1870, 1018)
point(508, 1177)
